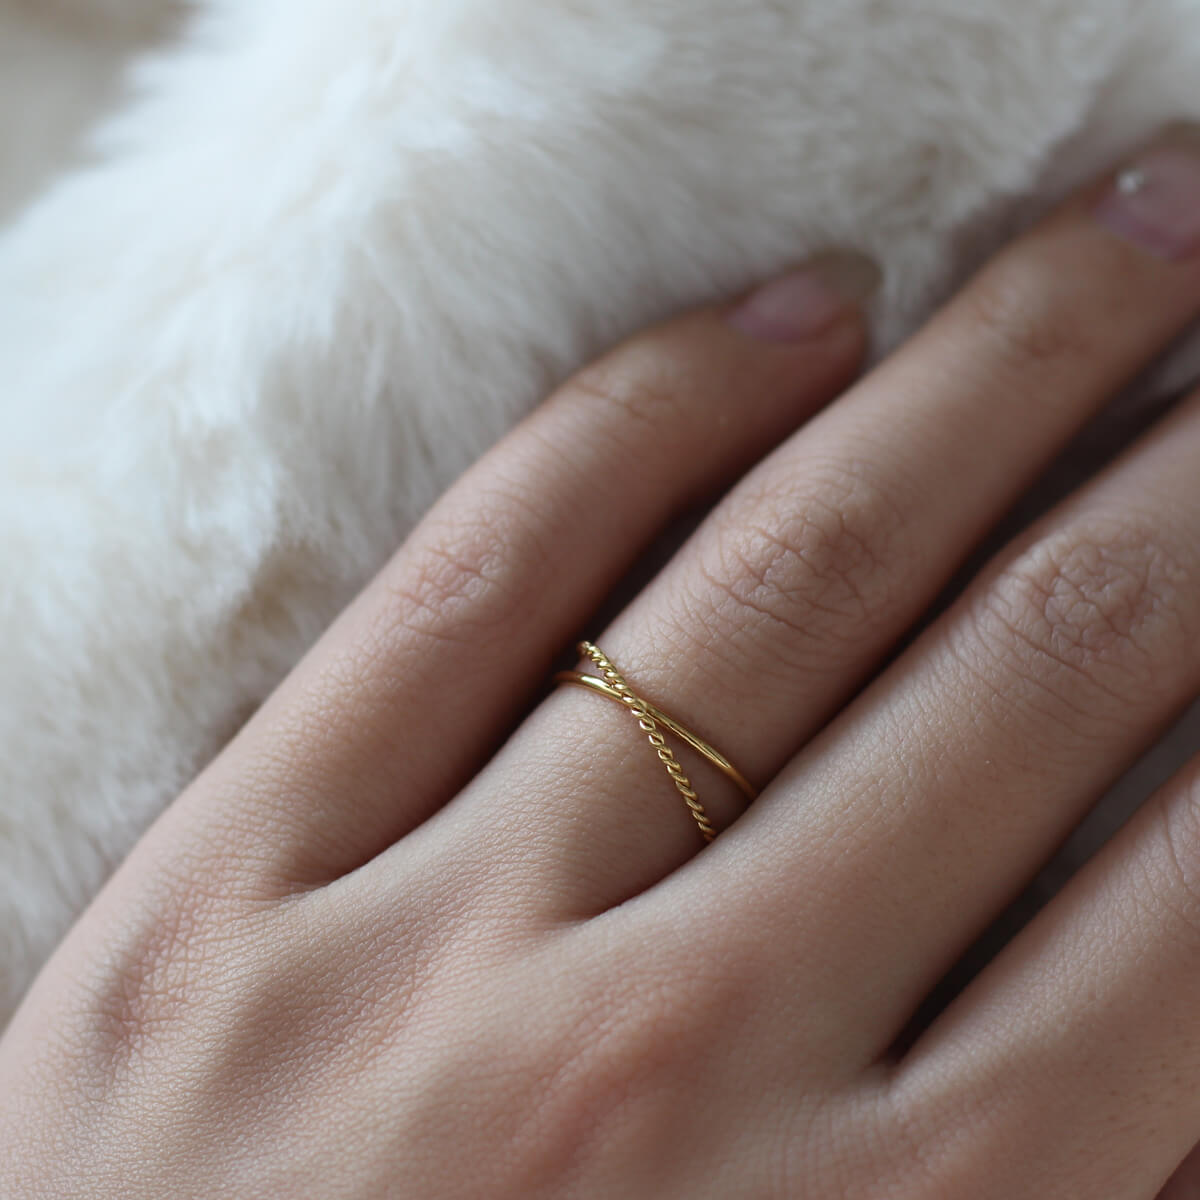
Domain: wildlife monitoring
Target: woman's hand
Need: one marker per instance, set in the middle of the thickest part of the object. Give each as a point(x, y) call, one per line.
point(368, 955)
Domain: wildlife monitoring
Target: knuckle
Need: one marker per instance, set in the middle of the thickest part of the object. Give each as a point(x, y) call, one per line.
point(626, 1056)
point(138, 997)
point(147, 977)
point(1029, 313)
point(1103, 600)
point(816, 562)
point(462, 581)
point(623, 1071)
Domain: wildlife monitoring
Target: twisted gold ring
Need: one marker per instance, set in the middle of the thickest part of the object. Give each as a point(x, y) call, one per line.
point(652, 721)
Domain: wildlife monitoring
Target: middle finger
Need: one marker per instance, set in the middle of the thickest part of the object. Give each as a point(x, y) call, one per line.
point(1011, 716)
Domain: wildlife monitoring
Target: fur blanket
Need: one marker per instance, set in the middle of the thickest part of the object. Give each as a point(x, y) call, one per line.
point(324, 252)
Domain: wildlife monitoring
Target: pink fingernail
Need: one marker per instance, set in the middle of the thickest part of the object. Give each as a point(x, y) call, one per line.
point(803, 304)
point(1155, 202)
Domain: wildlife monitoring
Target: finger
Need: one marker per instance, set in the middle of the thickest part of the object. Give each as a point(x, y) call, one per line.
point(415, 684)
point(806, 576)
point(1058, 668)
point(1082, 1042)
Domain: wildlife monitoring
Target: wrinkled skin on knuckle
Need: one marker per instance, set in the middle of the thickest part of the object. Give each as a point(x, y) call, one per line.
point(199, 1017)
point(134, 1030)
point(1103, 601)
point(248, 999)
point(145, 975)
point(815, 563)
point(463, 582)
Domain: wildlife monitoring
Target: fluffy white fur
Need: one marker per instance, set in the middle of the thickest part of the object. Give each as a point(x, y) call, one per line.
point(335, 247)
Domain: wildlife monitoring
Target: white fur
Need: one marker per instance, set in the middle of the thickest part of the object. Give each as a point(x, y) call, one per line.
point(336, 247)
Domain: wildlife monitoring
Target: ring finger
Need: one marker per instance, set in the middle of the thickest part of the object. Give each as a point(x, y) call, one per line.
point(803, 579)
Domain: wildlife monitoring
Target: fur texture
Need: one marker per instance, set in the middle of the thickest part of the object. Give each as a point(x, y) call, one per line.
point(331, 250)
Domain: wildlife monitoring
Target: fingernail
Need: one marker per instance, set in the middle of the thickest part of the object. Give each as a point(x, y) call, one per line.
point(806, 302)
point(1155, 201)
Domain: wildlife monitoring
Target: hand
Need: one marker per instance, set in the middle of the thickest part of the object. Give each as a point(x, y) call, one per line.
point(369, 954)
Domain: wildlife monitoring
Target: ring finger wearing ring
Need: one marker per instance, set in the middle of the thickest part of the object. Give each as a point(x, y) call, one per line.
point(799, 584)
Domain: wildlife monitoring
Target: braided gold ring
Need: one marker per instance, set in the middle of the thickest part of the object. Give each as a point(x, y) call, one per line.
point(652, 721)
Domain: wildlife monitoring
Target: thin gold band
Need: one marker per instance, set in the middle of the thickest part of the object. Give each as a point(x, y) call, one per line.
point(684, 734)
point(650, 718)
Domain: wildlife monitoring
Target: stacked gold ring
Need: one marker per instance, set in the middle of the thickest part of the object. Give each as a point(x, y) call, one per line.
point(652, 721)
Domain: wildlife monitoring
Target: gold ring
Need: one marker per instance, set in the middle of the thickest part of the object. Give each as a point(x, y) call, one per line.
point(652, 720)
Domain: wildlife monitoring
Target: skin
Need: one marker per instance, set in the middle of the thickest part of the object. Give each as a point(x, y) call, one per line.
point(426, 931)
